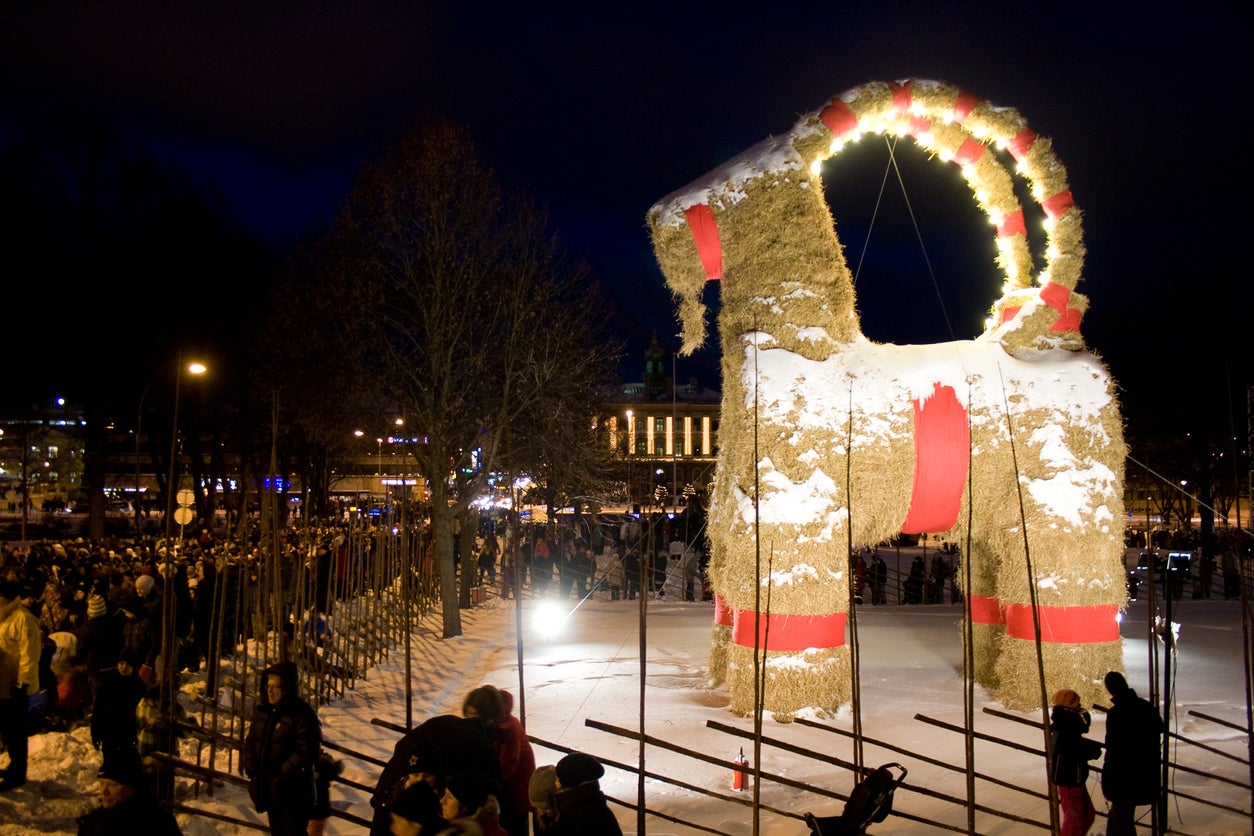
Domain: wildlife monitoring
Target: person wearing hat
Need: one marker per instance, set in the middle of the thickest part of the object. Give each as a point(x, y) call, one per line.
point(99, 639)
point(518, 762)
point(281, 751)
point(469, 797)
point(424, 764)
point(113, 723)
point(416, 811)
point(127, 804)
point(20, 648)
point(1131, 773)
point(540, 791)
point(580, 804)
point(1069, 768)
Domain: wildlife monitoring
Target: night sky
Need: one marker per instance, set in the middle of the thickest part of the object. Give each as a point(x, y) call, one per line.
point(600, 113)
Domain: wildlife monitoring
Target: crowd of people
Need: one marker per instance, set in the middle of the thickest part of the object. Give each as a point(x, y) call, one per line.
point(81, 627)
point(620, 560)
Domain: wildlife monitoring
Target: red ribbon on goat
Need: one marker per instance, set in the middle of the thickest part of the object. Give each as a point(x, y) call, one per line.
point(969, 152)
point(704, 231)
point(839, 119)
point(1012, 224)
point(789, 632)
point(1057, 205)
point(986, 609)
point(1064, 625)
point(942, 453)
point(1056, 296)
point(1021, 144)
point(964, 104)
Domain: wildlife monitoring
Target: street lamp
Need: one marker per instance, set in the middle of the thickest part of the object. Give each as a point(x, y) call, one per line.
point(193, 368)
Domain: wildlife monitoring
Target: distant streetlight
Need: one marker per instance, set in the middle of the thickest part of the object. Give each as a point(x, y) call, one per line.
point(194, 368)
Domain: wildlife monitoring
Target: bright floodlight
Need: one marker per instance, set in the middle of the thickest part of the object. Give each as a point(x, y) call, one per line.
point(549, 618)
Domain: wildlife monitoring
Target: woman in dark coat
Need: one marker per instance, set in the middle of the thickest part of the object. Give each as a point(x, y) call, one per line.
point(1069, 770)
point(280, 753)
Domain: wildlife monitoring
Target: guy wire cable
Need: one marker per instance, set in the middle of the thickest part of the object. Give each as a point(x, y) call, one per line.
point(1036, 616)
point(854, 666)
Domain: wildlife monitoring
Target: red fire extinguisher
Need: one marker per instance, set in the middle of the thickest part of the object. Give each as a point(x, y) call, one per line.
point(740, 778)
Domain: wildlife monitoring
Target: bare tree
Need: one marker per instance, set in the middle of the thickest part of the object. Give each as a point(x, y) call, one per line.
point(484, 332)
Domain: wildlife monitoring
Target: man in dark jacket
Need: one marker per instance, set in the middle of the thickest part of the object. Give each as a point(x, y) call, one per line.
point(1131, 771)
point(113, 725)
point(127, 804)
point(280, 753)
point(580, 805)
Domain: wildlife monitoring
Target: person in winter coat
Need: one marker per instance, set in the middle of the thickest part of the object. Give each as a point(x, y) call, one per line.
point(141, 621)
point(20, 647)
point(580, 805)
point(540, 792)
point(1069, 769)
point(471, 799)
point(280, 752)
point(416, 811)
point(879, 579)
point(514, 753)
point(127, 803)
point(113, 724)
point(1131, 773)
point(439, 747)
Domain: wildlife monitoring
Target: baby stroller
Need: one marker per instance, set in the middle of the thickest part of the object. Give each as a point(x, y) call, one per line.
point(870, 802)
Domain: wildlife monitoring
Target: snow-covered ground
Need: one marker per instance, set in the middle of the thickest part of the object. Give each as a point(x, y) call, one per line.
point(911, 665)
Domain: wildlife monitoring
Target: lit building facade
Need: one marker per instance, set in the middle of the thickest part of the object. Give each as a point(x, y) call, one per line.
point(665, 436)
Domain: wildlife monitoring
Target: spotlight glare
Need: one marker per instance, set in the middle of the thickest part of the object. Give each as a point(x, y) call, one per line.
point(549, 619)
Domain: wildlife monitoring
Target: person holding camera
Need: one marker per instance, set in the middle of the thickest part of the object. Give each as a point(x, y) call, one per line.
point(1069, 768)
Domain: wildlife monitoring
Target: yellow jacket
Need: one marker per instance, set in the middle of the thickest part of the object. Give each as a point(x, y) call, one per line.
point(19, 649)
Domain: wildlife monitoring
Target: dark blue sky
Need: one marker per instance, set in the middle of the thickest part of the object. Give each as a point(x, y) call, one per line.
point(601, 112)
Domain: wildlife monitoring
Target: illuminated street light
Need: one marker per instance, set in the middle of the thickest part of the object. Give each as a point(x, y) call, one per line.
point(193, 368)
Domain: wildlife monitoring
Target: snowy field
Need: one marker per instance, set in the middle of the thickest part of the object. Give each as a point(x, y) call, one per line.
point(910, 665)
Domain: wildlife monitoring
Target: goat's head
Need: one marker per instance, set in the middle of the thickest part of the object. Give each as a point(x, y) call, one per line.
point(761, 224)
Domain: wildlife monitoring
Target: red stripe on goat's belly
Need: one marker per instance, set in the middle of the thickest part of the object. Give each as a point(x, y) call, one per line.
point(942, 454)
